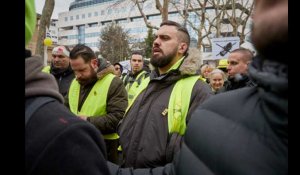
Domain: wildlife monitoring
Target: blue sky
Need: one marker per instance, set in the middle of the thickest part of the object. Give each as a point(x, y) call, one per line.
point(60, 6)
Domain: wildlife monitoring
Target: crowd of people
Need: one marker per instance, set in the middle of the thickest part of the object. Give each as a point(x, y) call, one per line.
point(84, 116)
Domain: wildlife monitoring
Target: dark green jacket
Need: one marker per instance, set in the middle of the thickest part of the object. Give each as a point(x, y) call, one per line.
point(116, 103)
point(144, 135)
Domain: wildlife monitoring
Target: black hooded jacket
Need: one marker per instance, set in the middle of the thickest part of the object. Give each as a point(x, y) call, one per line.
point(247, 136)
point(56, 141)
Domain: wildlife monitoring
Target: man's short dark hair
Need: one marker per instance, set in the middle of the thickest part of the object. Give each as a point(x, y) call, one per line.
point(248, 53)
point(84, 51)
point(136, 52)
point(185, 36)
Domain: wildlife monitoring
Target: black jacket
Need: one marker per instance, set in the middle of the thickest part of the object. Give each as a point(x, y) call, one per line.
point(247, 136)
point(144, 135)
point(63, 78)
point(56, 141)
point(236, 82)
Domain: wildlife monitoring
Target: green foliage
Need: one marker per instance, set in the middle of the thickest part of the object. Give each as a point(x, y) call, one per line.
point(149, 42)
point(114, 43)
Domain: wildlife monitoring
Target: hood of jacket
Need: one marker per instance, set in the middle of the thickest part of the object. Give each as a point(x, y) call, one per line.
point(38, 83)
point(191, 64)
point(271, 78)
point(270, 75)
point(104, 68)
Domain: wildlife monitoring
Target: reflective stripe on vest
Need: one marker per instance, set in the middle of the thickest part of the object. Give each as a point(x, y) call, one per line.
point(46, 69)
point(132, 88)
point(178, 104)
point(95, 103)
point(203, 79)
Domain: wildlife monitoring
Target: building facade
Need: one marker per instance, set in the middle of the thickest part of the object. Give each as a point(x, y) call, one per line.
point(86, 18)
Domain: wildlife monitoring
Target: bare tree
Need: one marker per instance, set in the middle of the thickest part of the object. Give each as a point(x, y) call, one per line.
point(213, 17)
point(239, 16)
point(44, 23)
point(214, 22)
point(163, 9)
point(197, 8)
point(148, 24)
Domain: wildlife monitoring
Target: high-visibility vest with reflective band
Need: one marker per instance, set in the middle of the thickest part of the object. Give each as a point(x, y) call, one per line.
point(95, 103)
point(179, 102)
point(132, 89)
point(46, 69)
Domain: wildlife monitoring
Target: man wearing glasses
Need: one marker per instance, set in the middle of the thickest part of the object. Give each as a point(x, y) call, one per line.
point(60, 68)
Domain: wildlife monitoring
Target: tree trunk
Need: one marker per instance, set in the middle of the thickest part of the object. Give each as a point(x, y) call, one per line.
point(165, 10)
point(44, 23)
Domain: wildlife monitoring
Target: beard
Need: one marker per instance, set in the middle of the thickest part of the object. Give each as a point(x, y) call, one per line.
point(164, 60)
point(88, 80)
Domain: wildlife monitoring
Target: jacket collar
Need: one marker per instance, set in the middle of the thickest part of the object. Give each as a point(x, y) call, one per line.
point(188, 65)
point(270, 75)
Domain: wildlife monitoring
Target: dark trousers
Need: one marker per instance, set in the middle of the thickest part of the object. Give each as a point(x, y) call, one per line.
point(112, 150)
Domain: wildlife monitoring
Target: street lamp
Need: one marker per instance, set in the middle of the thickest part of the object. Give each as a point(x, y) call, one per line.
point(47, 42)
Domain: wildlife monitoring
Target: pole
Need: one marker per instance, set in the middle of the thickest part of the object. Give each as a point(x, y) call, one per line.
point(45, 55)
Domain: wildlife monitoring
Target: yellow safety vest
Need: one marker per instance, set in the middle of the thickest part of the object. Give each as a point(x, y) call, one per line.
point(95, 103)
point(178, 104)
point(132, 89)
point(46, 69)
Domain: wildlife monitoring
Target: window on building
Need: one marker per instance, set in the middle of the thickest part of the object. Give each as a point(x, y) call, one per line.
point(66, 19)
point(96, 14)
point(81, 34)
point(71, 18)
point(109, 11)
point(121, 21)
point(106, 23)
point(89, 15)
point(93, 25)
point(83, 16)
point(77, 16)
point(137, 19)
point(154, 17)
point(102, 12)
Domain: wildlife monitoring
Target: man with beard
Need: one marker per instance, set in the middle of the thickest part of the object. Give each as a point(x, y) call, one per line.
point(56, 141)
point(97, 95)
point(152, 128)
point(60, 68)
point(244, 131)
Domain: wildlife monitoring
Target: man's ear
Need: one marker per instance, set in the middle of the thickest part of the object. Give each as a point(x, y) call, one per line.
point(182, 48)
point(94, 63)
